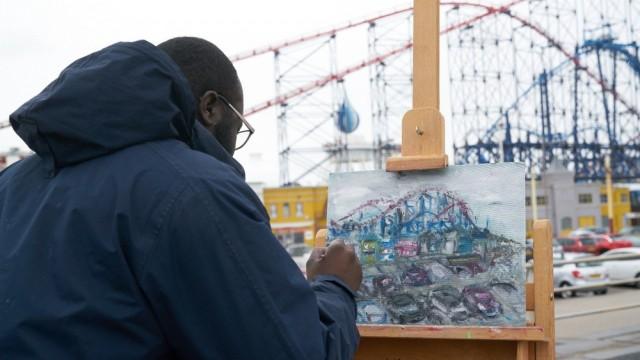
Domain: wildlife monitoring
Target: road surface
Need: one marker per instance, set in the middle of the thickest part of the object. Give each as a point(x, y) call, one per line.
point(610, 335)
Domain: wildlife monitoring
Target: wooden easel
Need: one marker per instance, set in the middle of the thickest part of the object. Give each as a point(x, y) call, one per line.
point(423, 149)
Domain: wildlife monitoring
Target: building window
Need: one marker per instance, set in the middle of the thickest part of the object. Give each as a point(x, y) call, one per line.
point(527, 201)
point(585, 198)
point(624, 198)
point(273, 211)
point(299, 209)
point(285, 210)
point(541, 200)
point(566, 223)
point(603, 198)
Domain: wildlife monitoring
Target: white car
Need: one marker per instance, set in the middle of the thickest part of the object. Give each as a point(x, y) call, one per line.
point(579, 274)
point(300, 254)
point(623, 269)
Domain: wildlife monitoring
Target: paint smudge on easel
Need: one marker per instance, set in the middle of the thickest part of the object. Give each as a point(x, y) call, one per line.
point(442, 247)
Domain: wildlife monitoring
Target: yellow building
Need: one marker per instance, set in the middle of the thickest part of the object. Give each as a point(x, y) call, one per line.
point(621, 205)
point(297, 213)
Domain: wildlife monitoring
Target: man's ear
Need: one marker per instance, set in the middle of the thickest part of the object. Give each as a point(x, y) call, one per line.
point(209, 109)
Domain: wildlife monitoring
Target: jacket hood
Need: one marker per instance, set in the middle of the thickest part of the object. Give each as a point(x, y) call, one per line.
point(123, 95)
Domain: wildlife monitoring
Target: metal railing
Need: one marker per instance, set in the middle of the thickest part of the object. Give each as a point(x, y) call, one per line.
point(597, 311)
point(598, 285)
point(588, 259)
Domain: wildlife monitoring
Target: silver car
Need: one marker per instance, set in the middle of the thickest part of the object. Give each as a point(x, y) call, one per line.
point(587, 273)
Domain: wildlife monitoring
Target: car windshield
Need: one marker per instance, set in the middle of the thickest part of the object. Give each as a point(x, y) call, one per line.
point(630, 231)
point(565, 241)
point(588, 264)
point(588, 241)
point(599, 231)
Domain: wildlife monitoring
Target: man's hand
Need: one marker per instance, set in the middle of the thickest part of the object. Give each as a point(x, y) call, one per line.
point(338, 260)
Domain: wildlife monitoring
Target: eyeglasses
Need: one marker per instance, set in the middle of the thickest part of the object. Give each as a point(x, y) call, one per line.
point(244, 134)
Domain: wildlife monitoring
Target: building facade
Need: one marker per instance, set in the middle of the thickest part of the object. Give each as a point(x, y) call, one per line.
point(297, 213)
point(570, 205)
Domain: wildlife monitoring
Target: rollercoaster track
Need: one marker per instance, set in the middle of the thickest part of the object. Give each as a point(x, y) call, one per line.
point(489, 10)
point(378, 59)
point(586, 48)
point(279, 46)
point(350, 25)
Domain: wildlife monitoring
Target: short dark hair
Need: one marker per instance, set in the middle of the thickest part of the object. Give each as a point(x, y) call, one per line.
point(205, 66)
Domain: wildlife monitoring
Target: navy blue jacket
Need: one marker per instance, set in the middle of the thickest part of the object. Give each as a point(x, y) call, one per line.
point(132, 234)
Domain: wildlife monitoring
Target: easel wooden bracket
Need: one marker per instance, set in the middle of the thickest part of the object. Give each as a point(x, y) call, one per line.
point(423, 149)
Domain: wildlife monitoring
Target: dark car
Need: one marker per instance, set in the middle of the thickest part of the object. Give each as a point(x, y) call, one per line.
point(479, 300)
point(405, 309)
point(415, 276)
point(445, 305)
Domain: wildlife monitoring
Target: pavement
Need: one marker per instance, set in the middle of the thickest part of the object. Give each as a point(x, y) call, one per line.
point(610, 335)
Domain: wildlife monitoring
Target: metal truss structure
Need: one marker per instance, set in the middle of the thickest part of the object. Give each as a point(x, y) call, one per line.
point(549, 81)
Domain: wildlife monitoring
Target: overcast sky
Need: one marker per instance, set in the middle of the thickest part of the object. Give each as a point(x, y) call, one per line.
point(39, 38)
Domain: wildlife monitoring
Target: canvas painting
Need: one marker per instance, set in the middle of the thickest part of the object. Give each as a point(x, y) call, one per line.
point(443, 247)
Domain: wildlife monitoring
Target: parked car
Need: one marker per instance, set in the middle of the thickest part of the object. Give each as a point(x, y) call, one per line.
point(578, 274)
point(631, 234)
point(437, 272)
point(623, 269)
point(592, 243)
point(300, 254)
point(415, 276)
point(630, 230)
point(371, 312)
point(405, 309)
point(384, 285)
point(479, 300)
point(594, 230)
point(445, 305)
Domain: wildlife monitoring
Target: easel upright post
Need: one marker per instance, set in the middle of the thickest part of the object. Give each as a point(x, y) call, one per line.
point(423, 126)
point(426, 54)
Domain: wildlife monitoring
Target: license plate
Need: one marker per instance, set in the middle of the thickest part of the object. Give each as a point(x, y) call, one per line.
point(595, 276)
